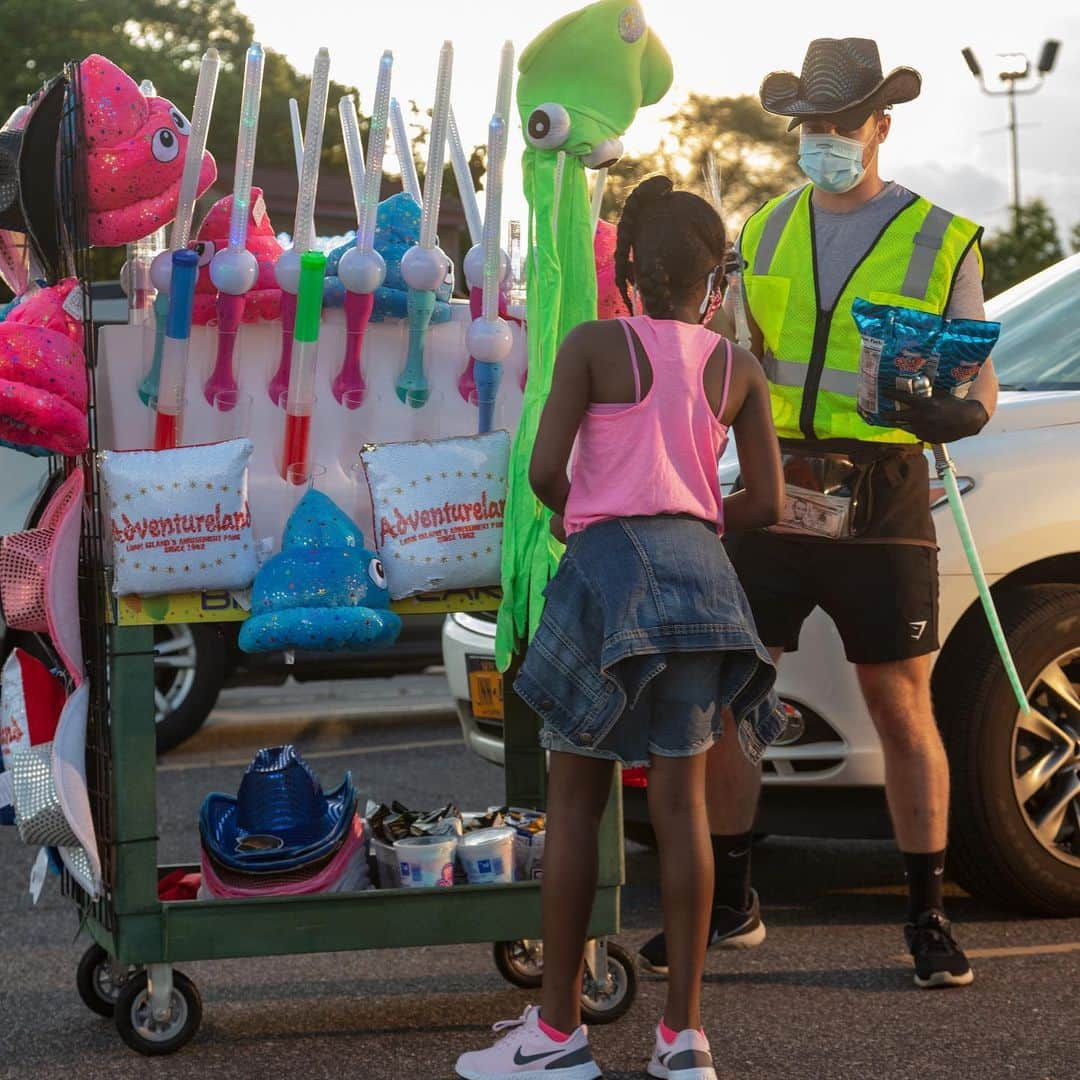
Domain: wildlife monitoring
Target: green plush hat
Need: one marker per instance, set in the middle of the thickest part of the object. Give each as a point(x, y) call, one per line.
point(581, 83)
point(584, 78)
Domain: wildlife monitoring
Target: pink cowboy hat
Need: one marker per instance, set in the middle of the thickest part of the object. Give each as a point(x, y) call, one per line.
point(43, 372)
point(39, 575)
point(264, 300)
point(135, 155)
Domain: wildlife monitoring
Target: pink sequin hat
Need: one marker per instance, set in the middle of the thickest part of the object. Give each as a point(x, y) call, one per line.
point(43, 372)
point(135, 155)
point(609, 301)
point(39, 575)
point(264, 300)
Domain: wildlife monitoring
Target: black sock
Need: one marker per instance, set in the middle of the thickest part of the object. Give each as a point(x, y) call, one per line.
point(925, 874)
point(731, 859)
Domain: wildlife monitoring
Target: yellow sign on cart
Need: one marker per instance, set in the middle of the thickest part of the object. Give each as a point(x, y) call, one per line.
point(220, 605)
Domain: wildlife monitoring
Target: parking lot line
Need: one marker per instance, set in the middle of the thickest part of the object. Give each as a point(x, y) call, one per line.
point(1014, 950)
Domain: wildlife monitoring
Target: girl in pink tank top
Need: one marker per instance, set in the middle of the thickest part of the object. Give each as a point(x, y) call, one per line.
point(646, 639)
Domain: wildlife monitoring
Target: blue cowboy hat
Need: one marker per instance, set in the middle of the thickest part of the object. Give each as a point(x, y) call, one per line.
point(280, 819)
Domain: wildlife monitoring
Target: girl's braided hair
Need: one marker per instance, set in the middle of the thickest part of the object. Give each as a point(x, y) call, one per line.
point(667, 242)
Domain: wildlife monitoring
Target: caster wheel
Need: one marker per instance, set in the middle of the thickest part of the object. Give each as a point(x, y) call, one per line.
point(99, 982)
point(603, 1001)
point(136, 1024)
point(520, 963)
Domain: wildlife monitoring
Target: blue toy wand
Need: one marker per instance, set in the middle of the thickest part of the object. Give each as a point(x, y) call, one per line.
point(425, 266)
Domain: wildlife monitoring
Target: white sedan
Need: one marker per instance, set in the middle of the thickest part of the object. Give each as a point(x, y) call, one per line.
point(1016, 779)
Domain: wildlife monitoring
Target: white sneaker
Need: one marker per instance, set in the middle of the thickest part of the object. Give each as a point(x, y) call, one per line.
point(687, 1058)
point(526, 1053)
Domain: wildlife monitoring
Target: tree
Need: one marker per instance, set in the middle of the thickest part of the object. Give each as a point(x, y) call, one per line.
point(756, 156)
point(163, 41)
point(1074, 238)
point(1011, 255)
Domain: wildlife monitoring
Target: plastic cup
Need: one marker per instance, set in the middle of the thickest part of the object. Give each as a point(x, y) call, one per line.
point(352, 427)
point(232, 415)
point(426, 861)
point(387, 861)
point(488, 855)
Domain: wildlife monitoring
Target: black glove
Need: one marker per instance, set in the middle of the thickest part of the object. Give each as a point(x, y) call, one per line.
point(942, 418)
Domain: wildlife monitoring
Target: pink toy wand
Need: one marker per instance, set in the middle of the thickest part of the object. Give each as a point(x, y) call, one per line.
point(361, 268)
point(235, 270)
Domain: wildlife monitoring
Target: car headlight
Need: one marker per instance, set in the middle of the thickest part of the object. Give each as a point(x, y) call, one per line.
point(938, 495)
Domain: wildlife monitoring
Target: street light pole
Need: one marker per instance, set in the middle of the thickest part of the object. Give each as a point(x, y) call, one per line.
point(1014, 140)
point(1016, 68)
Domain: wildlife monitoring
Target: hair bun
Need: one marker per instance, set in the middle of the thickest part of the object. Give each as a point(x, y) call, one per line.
point(650, 191)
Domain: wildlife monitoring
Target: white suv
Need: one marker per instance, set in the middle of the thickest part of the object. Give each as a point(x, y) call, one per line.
point(1016, 782)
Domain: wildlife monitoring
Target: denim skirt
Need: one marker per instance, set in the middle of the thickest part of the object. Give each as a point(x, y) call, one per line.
point(630, 596)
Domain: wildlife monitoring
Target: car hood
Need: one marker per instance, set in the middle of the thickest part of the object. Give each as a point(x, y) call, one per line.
point(1026, 410)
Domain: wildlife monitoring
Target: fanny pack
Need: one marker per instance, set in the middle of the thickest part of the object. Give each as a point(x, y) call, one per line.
point(826, 495)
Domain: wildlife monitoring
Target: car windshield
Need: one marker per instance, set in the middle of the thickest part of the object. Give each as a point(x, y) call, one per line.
point(1039, 348)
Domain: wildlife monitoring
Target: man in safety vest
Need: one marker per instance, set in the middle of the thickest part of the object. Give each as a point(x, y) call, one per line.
point(868, 557)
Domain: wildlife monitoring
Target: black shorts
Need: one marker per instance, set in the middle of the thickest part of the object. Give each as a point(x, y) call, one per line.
point(882, 597)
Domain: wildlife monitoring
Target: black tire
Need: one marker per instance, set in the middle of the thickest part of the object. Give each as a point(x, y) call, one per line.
point(520, 963)
point(189, 698)
point(606, 1006)
point(137, 1027)
point(97, 984)
point(994, 852)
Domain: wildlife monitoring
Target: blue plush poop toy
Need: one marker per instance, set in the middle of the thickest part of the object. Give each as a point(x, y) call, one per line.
point(324, 592)
point(397, 228)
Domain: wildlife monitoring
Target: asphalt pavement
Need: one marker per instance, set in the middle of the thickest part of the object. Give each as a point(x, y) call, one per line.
point(829, 994)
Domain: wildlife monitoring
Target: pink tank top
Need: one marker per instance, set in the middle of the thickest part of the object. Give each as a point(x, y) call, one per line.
point(660, 454)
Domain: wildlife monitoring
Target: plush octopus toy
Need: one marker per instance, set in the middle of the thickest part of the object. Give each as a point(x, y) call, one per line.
point(581, 82)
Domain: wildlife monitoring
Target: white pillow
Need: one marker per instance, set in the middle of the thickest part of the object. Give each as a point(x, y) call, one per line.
point(439, 510)
point(179, 520)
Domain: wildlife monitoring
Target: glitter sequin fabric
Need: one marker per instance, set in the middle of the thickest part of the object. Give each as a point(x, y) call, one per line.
point(397, 229)
point(43, 374)
point(264, 300)
point(135, 155)
point(324, 592)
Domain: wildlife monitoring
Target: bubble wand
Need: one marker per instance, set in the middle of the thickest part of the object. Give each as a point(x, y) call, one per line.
point(205, 89)
point(174, 359)
point(362, 269)
point(279, 383)
point(474, 260)
point(287, 268)
point(425, 266)
point(235, 270)
point(489, 338)
point(300, 403)
point(733, 264)
point(403, 148)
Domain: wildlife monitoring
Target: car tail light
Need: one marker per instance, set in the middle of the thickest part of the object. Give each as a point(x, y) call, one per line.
point(636, 778)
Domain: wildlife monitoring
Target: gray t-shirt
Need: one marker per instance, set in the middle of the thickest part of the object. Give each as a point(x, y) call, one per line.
point(842, 240)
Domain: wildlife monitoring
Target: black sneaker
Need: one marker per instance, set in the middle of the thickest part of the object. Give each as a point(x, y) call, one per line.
point(939, 961)
point(729, 928)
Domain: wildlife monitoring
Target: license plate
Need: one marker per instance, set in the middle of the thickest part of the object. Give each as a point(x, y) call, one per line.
point(485, 687)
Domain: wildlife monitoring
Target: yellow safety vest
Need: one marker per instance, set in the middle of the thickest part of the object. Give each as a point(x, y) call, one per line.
point(811, 355)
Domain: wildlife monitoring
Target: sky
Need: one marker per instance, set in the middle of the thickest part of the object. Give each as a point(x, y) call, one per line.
point(949, 145)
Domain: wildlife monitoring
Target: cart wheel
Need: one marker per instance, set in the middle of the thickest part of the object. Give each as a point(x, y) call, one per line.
point(521, 963)
point(99, 984)
point(606, 1002)
point(136, 1022)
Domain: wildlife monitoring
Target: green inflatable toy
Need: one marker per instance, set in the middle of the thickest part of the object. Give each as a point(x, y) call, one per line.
point(581, 84)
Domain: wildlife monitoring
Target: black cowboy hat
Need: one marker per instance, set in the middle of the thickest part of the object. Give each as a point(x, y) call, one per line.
point(840, 78)
point(28, 163)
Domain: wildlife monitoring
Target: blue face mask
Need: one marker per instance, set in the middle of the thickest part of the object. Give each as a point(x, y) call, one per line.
point(831, 162)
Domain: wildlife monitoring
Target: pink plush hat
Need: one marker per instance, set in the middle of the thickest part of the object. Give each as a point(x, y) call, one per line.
point(264, 300)
point(609, 302)
point(43, 372)
point(135, 155)
point(39, 575)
